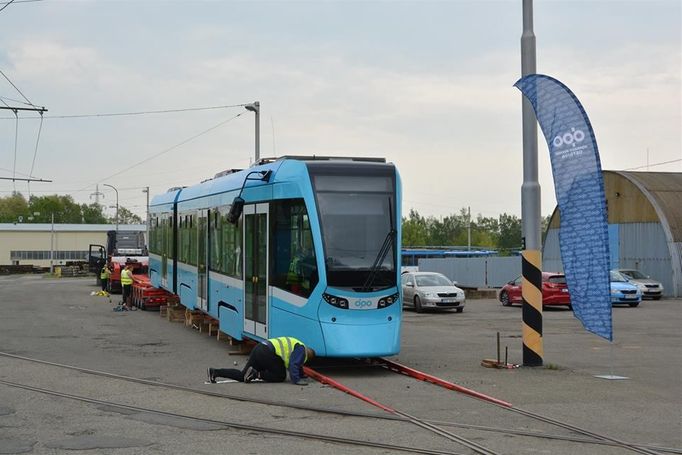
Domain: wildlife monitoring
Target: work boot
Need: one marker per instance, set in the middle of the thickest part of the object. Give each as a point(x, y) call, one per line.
point(211, 375)
point(250, 375)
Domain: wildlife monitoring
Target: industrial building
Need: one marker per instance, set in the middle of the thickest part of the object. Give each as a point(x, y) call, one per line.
point(45, 244)
point(645, 226)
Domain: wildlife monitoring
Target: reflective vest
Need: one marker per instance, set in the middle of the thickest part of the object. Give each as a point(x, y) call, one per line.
point(284, 346)
point(126, 277)
point(104, 274)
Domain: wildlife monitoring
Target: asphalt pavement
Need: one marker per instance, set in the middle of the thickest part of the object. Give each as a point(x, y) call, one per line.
point(59, 321)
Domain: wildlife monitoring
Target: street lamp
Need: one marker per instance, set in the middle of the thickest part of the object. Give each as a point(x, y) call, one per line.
point(112, 187)
point(146, 190)
point(255, 107)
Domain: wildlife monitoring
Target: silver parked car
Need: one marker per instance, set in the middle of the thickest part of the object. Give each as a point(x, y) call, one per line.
point(651, 289)
point(424, 290)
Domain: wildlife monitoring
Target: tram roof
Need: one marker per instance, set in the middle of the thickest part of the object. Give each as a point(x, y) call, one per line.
point(232, 179)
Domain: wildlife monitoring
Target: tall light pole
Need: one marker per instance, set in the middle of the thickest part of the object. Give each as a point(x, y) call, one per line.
point(52, 247)
point(255, 107)
point(531, 289)
point(112, 187)
point(146, 190)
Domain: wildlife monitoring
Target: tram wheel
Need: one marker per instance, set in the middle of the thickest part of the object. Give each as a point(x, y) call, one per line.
point(418, 305)
point(504, 298)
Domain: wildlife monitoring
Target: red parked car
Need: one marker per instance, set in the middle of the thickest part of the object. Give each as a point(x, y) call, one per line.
point(554, 291)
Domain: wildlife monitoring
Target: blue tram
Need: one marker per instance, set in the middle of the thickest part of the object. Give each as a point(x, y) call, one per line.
point(295, 246)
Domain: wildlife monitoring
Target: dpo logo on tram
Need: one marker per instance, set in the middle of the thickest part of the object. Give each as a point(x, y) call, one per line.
point(362, 303)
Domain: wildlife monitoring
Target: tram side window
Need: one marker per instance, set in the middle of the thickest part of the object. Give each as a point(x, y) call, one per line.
point(293, 263)
point(168, 245)
point(187, 240)
point(215, 256)
point(152, 234)
point(226, 241)
point(193, 231)
point(231, 246)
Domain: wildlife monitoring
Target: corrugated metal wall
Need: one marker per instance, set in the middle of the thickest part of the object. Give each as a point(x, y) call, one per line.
point(551, 255)
point(643, 246)
point(488, 272)
point(635, 245)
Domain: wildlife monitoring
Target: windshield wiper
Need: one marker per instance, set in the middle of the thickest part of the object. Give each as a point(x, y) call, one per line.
point(389, 241)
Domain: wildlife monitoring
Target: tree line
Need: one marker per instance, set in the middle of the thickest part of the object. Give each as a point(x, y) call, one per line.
point(503, 233)
point(39, 209)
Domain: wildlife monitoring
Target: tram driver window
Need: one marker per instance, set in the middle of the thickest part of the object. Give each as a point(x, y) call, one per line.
point(293, 263)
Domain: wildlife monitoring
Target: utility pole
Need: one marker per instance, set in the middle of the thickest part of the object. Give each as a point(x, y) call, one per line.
point(531, 269)
point(52, 247)
point(255, 108)
point(146, 190)
point(469, 230)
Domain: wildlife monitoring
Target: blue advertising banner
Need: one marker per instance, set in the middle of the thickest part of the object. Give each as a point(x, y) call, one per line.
point(579, 187)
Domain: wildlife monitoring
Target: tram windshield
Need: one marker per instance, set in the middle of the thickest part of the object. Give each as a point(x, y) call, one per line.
point(356, 206)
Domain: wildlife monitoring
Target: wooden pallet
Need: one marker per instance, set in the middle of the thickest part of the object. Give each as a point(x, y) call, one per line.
point(175, 313)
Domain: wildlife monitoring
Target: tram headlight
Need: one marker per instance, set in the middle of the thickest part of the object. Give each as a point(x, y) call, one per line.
point(388, 301)
point(333, 300)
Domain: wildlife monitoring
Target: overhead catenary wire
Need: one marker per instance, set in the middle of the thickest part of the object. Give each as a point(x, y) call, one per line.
point(12, 83)
point(655, 164)
point(7, 4)
point(134, 113)
point(156, 155)
point(20, 1)
point(35, 153)
point(16, 140)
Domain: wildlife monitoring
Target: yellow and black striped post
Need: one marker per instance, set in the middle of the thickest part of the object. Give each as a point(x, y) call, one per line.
point(531, 291)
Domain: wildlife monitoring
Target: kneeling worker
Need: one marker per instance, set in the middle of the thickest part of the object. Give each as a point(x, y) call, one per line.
point(269, 361)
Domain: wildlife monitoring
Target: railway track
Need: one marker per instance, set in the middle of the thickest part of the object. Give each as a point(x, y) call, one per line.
point(591, 439)
point(235, 425)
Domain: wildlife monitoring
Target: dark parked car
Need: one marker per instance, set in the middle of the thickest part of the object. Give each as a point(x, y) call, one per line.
point(554, 291)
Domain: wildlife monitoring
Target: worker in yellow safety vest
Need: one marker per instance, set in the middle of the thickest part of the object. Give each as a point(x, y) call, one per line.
point(269, 361)
point(104, 275)
point(127, 284)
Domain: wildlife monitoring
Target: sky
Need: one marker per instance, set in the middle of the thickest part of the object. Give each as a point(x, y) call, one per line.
point(428, 85)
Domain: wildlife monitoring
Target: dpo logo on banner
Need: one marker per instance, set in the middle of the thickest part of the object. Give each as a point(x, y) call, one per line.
point(579, 187)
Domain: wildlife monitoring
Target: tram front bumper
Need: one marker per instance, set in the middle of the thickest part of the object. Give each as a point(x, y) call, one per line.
point(362, 340)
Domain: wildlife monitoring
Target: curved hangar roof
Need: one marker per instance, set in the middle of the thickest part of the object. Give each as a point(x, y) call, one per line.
point(646, 197)
point(641, 197)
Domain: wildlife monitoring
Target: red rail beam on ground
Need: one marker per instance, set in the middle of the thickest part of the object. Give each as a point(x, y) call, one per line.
point(399, 368)
point(337, 385)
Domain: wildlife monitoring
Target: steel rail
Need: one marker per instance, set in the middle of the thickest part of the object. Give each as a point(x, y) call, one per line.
point(234, 425)
point(626, 445)
point(416, 421)
point(327, 410)
point(399, 368)
point(416, 374)
point(190, 389)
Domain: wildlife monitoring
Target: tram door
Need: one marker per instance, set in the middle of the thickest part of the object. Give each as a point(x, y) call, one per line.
point(202, 259)
point(165, 248)
point(256, 269)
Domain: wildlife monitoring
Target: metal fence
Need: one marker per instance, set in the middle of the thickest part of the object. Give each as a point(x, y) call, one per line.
point(489, 272)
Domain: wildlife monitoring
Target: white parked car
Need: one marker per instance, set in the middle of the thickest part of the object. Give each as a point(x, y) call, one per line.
point(431, 290)
point(651, 289)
